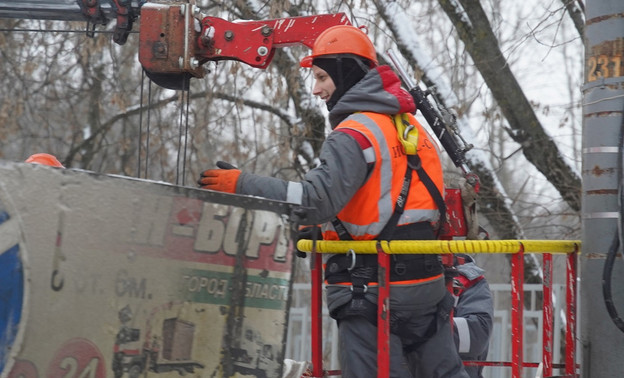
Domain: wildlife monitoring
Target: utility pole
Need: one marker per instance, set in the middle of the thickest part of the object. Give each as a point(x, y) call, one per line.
point(602, 330)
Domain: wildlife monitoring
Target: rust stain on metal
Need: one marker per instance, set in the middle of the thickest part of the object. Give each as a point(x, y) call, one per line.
point(604, 18)
point(608, 47)
point(382, 273)
point(601, 192)
point(598, 171)
point(596, 256)
point(601, 256)
point(604, 60)
point(616, 113)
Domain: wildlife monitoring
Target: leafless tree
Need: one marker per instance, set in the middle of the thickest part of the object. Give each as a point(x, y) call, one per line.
point(87, 101)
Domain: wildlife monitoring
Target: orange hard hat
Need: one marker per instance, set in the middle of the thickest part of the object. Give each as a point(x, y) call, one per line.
point(44, 159)
point(342, 39)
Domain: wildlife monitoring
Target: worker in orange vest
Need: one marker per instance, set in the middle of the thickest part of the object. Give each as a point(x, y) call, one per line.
point(366, 188)
point(44, 159)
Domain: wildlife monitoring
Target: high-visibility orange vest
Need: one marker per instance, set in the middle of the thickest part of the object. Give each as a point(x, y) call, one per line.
point(371, 207)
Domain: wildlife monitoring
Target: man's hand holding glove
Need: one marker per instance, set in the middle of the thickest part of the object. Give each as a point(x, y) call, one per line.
point(223, 179)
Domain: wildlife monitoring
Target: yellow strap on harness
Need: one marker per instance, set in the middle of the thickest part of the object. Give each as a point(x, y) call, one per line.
point(407, 133)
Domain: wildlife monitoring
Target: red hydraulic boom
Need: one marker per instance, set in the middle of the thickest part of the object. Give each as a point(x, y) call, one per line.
point(177, 39)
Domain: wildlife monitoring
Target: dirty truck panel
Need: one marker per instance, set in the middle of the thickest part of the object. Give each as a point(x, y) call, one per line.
point(106, 276)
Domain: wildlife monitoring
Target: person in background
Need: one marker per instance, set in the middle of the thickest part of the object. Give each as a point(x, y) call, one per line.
point(44, 159)
point(366, 188)
point(473, 313)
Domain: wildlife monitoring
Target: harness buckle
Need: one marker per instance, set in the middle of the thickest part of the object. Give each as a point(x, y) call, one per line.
point(356, 289)
point(407, 130)
point(414, 162)
point(351, 253)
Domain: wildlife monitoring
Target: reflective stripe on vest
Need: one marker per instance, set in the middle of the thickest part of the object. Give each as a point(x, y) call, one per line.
point(371, 207)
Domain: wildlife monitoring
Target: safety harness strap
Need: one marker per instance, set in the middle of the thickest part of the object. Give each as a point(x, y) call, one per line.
point(341, 230)
point(361, 269)
point(388, 230)
point(413, 161)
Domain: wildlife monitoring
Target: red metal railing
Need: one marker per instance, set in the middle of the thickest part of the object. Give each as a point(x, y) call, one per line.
point(517, 248)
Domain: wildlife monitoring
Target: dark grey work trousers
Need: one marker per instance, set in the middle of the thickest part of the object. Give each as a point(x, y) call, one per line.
point(421, 342)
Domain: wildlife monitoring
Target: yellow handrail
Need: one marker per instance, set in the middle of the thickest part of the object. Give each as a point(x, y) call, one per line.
point(442, 246)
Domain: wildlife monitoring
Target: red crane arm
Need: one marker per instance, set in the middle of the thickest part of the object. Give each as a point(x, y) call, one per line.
point(176, 39)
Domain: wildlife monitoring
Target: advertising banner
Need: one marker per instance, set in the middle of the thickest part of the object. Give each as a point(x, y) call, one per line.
point(107, 276)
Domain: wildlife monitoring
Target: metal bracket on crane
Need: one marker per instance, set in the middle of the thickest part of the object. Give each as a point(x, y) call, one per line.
point(125, 19)
point(94, 14)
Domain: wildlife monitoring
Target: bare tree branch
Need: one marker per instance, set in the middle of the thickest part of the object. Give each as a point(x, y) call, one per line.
point(575, 9)
point(312, 118)
point(475, 31)
point(491, 199)
point(108, 124)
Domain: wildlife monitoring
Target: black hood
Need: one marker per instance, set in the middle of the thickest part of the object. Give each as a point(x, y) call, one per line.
point(379, 91)
point(345, 73)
